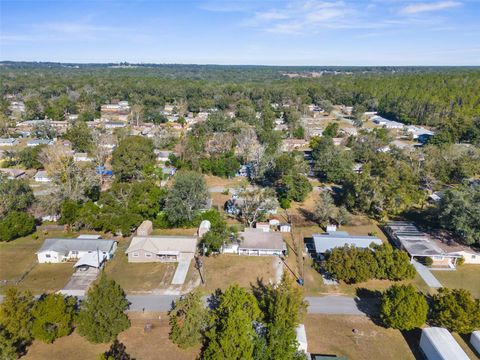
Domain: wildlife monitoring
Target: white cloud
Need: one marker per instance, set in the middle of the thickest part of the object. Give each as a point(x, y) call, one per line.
point(427, 7)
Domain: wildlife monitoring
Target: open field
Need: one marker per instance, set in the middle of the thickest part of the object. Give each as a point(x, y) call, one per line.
point(465, 277)
point(223, 270)
point(140, 345)
point(333, 335)
point(139, 277)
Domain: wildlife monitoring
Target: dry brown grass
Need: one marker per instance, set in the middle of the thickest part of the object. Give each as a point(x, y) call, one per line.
point(218, 181)
point(47, 277)
point(333, 335)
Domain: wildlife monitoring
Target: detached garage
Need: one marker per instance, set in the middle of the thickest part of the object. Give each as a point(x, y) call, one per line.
point(438, 344)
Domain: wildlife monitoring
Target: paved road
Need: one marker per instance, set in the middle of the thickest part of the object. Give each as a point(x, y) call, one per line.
point(427, 275)
point(335, 305)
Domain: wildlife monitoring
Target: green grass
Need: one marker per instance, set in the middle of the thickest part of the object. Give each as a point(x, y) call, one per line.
point(139, 277)
point(465, 277)
point(47, 278)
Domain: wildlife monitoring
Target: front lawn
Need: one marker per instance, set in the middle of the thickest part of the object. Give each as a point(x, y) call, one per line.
point(47, 278)
point(465, 277)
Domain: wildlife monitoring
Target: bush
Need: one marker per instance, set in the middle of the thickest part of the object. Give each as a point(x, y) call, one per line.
point(428, 261)
point(16, 224)
point(285, 203)
point(402, 307)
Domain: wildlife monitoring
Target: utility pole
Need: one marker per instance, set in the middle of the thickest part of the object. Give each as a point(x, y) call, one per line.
point(199, 267)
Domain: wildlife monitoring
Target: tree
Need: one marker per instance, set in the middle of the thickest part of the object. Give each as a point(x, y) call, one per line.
point(324, 208)
point(8, 346)
point(333, 163)
point(294, 187)
point(117, 351)
point(458, 210)
point(255, 203)
point(30, 157)
point(456, 310)
point(16, 318)
point(102, 314)
point(331, 130)
point(392, 264)
point(131, 157)
point(16, 224)
point(186, 197)
point(15, 195)
point(350, 264)
point(80, 136)
point(232, 334)
point(283, 307)
point(188, 320)
point(402, 307)
point(54, 315)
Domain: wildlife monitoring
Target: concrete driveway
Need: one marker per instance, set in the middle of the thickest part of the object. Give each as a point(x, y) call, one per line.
point(80, 282)
point(426, 275)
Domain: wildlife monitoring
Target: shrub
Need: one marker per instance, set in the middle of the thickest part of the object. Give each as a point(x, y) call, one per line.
point(16, 224)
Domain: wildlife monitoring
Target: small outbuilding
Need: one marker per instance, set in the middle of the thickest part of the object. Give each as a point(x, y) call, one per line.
point(145, 228)
point(438, 344)
point(475, 340)
point(204, 227)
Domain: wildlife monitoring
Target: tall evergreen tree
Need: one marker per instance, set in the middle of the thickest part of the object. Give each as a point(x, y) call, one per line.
point(54, 315)
point(232, 334)
point(283, 307)
point(188, 320)
point(16, 316)
point(102, 316)
point(117, 351)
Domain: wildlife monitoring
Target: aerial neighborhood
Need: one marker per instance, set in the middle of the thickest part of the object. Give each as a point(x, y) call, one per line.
point(143, 207)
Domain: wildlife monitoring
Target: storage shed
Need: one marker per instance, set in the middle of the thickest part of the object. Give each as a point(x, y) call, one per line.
point(475, 340)
point(438, 344)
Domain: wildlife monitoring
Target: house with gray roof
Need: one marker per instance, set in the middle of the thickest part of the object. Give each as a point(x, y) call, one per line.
point(57, 250)
point(161, 248)
point(334, 239)
point(256, 242)
point(8, 142)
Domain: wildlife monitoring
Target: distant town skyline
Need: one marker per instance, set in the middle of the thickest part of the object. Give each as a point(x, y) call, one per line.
point(300, 32)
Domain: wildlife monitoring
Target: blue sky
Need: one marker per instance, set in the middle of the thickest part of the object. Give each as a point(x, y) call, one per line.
point(295, 32)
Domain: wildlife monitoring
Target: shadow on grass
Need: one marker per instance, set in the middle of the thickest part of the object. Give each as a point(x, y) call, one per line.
point(412, 338)
point(368, 302)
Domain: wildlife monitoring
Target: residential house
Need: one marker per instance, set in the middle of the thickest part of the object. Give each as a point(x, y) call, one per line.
point(8, 142)
point(417, 244)
point(163, 156)
point(161, 248)
point(42, 176)
point(57, 250)
point(285, 228)
point(256, 242)
point(293, 144)
point(115, 124)
point(38, 142)
point(82, 157)
point(438, 344)
point(334, 239)
point(12, 174)
point(389, 124)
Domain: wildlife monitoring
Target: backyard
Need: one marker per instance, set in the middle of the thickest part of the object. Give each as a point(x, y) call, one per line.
point(465, 277)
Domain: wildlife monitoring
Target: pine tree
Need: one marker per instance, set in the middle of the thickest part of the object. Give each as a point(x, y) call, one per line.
point(283, 307)
point(117, 351)
point(102, 316)
point(403, 307)
point(232, 335)
point(54, 315)
point(188, 320)
point(457, 310)
point(16, 316)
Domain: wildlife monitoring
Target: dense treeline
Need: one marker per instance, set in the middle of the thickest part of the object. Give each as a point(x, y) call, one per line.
point(448, 100)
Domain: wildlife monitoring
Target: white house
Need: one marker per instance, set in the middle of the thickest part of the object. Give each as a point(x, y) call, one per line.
point(8, 142)
point(256, 242)
point(82, 157)
point(161, 248)
point(37, 142)
point(285, 228)
point(329, 241)
point(57, 250)
point(41, 176)
point(438, 344)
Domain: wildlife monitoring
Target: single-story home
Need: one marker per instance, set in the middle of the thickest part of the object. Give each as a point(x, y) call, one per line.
point(8, 142)
point(42, 176)
point(37, 142)
point(334, 239)
point(12, 174)
point(438, 344)
point(82, 157)
point(161, 248)
point(257, 242)
point(57, 250)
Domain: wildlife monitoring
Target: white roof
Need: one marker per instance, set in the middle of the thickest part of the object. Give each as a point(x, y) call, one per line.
point(89, 236)
point(93, 259)
point(301, 337)
point(444, 343)
point(334, 239)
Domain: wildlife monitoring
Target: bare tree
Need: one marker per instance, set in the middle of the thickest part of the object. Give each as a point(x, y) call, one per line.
point(136, 115)
point(255, 203)
point(219, 143)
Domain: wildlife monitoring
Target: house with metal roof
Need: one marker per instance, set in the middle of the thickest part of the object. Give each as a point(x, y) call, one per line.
point(438, 344)
point(57, 250)
point(334, 239)
point(8, 142)
point(161, 248)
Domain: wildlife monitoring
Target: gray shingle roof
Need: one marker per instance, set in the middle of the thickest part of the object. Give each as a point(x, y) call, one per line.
point(64, 245)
